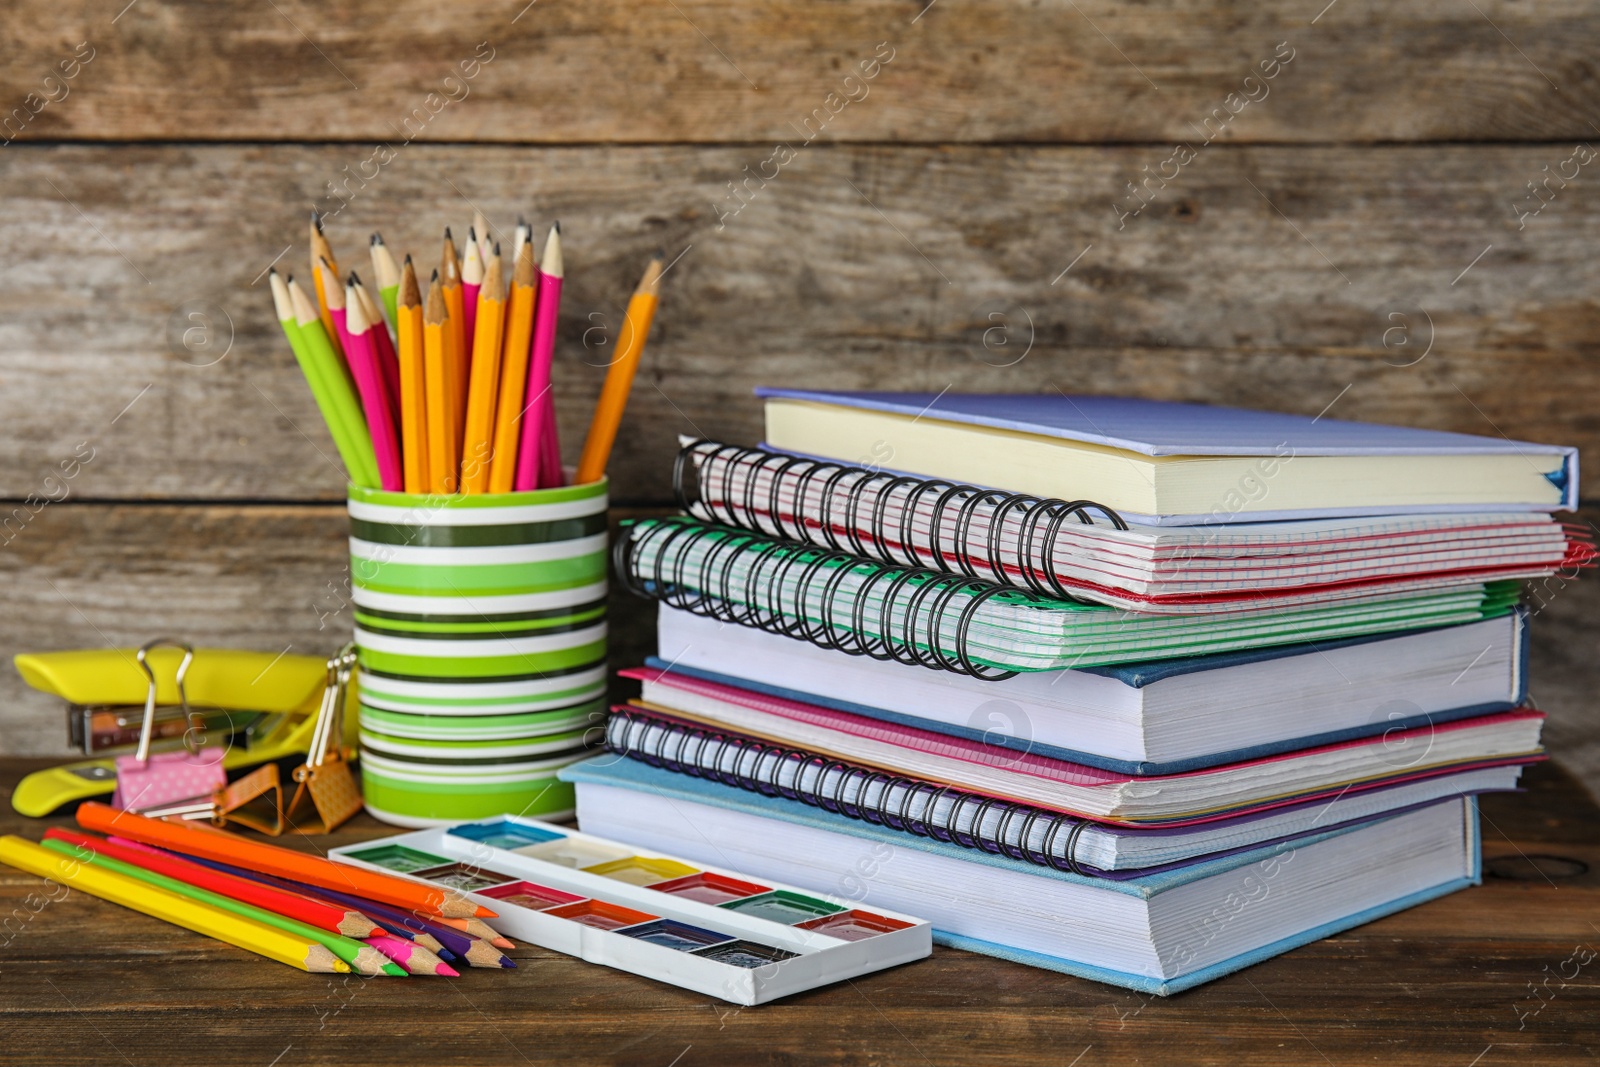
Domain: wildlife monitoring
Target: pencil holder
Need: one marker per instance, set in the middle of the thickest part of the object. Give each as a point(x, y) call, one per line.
point(481, 633)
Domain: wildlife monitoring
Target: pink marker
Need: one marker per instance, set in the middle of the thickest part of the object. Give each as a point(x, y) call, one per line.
point(539, 410)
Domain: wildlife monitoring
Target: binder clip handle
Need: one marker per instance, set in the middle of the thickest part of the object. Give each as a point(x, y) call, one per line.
point(148, 728)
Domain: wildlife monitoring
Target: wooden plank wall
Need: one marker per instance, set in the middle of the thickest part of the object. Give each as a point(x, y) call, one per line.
point(1382, 212)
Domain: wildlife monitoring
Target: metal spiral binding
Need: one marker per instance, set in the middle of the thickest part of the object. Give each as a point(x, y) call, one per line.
point(1039, 520)
point(652, 557)
point(682, 748)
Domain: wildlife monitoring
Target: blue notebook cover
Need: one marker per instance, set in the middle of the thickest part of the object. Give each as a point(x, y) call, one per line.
point(1137, 676)
point(623, 773)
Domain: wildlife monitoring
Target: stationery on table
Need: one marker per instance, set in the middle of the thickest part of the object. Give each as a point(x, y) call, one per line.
point(448, 389)
point(1119, 660)
point(305, 910)
point(702, 927)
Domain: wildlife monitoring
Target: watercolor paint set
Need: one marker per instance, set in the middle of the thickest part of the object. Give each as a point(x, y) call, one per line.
point(745, 940)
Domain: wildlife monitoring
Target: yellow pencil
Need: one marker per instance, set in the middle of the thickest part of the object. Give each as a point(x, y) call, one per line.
point(478, 439)
point(619, 378)
point(413, 377)
point(442, 435)
point(513, 372)
point(247, 934)
point(460, 351)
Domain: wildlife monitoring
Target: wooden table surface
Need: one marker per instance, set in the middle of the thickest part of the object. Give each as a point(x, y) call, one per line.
point(1506, 972)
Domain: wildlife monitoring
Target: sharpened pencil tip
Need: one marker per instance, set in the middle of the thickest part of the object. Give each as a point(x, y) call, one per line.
point(377, 238)
point(447, 236)
point(557, 226)
point(497, 249)
point(355, 279)
point(316, 219)
point(435, 274)
point(472, 233)
point(408, 257)
point(522, 220)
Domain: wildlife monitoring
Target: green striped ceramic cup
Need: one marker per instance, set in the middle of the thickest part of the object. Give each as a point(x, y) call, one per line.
point(480, 624)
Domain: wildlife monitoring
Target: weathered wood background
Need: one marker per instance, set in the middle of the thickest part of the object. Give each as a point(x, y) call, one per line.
point(1359, 233)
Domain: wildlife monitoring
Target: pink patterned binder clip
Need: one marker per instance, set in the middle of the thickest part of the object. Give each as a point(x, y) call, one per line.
point(147, 781)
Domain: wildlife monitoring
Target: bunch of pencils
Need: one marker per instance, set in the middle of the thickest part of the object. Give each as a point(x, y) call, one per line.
point(303, 910)
point(457, 398)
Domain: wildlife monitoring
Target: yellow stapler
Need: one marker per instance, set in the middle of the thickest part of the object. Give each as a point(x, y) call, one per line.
point(264, 705)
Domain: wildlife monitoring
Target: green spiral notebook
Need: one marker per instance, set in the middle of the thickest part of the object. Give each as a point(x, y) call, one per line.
point(969, 625)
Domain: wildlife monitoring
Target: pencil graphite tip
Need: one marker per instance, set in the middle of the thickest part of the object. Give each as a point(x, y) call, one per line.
point(497, 250)
point(408, 259)
point(556, 226)
point(522, 220)
point(355, 279)
point(472, 233)
point(447, 236)
point(316, 220)
point(435, 274)
point(377, 238)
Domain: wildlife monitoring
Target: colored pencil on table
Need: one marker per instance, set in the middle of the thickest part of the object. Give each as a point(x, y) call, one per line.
point(460, 341)
point(619, 376)
point(410, 956)
point(323, 916)
point(322, 252)
point(536, 421)
point(330, 383)
point(472, 267)
point(381, 914)
point(513, 369)
point(413, 394)
point(478, 928)
point(478, 440)
point(301, 952)
point(361, 351)
point(362, 958)
point(385, 275)
point(443, 434)
point(283, 862)
point(387, 359)
point(433, 932)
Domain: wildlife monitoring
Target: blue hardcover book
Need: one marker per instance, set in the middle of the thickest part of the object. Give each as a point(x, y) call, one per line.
point(1173, 463)
point(1159, 933)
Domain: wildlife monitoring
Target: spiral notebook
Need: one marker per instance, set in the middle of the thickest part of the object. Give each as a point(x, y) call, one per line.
point(970, 625)
point(1167, 463)
point(1083, 550)
point(764, 729)
point(1023, 832)
point(1160, 933)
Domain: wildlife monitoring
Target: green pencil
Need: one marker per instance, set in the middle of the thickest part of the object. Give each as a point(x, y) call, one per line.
point(386, 274)
point(363, 959)
point(330, 382)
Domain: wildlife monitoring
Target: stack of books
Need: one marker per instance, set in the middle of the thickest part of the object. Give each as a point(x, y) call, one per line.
point(1138, 691)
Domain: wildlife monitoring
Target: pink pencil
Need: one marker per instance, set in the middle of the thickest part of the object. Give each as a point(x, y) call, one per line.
point(551, 476)
point(472, 268)
point(388, 359)
point(539, 410)
point(375, 398)
point(410, 955)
